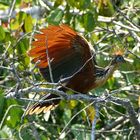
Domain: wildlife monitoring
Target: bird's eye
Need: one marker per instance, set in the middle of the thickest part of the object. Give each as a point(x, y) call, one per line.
point(120, 59)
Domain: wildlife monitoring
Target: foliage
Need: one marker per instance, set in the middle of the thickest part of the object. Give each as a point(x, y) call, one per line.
point(121, 28)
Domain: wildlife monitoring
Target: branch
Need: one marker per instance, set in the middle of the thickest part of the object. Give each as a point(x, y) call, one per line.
point(125, 26)
point(132, 114)
point(38, 89)
point(111, 126)
point(112, 20)
point(11, 10)
point(94, 122)
point(84, 97)
point(35, 12)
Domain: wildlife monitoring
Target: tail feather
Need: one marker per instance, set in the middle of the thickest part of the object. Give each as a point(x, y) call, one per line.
point(47, 104)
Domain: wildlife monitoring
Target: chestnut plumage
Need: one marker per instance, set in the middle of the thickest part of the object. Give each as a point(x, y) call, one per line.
point(72, 62)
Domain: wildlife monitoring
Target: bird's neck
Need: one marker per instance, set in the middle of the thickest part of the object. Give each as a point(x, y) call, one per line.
point(109, 70)
point(102, 75)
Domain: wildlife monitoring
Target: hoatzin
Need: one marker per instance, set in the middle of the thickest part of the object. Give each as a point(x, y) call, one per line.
point(70, 59)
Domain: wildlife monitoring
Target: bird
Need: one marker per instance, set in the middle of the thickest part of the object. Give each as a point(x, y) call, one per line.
point(69, 57)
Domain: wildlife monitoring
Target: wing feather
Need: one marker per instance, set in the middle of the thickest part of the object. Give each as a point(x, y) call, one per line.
point(65, 47)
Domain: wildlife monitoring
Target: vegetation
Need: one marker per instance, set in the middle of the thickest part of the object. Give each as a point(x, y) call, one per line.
point(106, 25)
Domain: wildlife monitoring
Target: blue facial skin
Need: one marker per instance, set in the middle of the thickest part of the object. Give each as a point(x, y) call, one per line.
point(119, 59)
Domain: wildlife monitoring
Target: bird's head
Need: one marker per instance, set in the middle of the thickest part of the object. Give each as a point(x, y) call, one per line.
point(118, 57)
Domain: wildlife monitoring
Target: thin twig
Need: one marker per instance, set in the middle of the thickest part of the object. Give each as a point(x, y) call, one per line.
point(11, 11)
point(94, 122)
point(74, 117)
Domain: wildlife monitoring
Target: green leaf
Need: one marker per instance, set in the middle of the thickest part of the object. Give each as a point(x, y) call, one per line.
point(67, 115)
point(16, 23)
point(58, 2)
point(55, 16)
point(22, 47)
point(89, 21)
point(28, 25)
point(14, 114)
point(21, 17)
point(2, 33)
point(105, 8)
point(84, 4)
point(1, 103)
point(71, 2)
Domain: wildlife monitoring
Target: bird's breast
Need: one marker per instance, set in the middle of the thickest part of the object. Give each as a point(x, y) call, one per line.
point(99, 81)
point(108, 72)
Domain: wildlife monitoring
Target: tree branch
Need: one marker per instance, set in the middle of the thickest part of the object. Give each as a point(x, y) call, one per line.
point(131, 112)
point(84, 97)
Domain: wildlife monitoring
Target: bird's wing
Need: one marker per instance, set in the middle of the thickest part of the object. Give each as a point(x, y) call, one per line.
point(67, 52)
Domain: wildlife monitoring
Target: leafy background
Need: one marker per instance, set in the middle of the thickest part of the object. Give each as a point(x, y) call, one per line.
point(106, 25)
